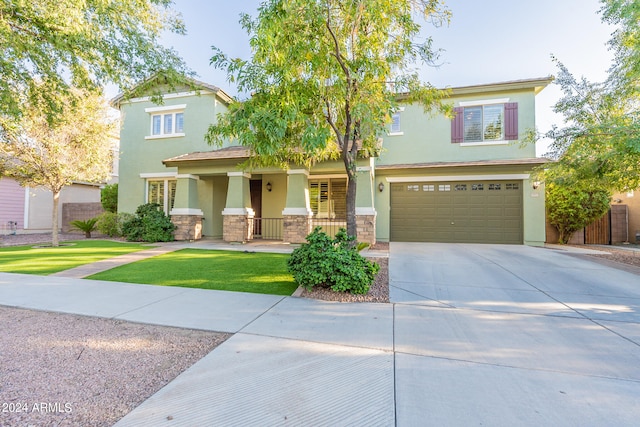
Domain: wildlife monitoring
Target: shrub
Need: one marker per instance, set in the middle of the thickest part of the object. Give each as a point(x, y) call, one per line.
point(333, 263)
point(573, 207)
point(109, 197)
point(110, 223)
point(149, 224)
point(87, 226)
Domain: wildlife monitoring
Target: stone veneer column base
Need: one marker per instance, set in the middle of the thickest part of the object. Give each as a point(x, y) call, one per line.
point(366, 228)
point(295, 228)
point(237, 228)
point(188, 227)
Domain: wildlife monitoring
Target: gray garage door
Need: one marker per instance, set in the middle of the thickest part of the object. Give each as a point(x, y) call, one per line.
point(457, 212)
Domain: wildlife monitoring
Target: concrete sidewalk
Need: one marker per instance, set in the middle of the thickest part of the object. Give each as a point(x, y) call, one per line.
point(475, 335)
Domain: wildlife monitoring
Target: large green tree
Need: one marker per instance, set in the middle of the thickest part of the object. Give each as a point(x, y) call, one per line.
point(49, 46)
point(597, 150)
point(77, 147)
point(324, 79)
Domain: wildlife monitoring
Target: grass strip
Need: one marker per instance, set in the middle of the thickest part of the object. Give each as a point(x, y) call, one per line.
point(255, 272)
point(43, 260)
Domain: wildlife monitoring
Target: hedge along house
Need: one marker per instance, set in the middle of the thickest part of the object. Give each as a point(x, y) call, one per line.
point(436, 179)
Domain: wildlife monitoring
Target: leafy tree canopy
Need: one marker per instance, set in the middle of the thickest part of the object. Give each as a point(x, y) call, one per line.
point(50, 46)
point(323, 74)
point(76, 148)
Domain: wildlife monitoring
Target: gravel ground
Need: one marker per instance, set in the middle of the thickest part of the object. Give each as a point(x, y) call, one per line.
point(67, 370)
point(379, 291)
point(32, 239)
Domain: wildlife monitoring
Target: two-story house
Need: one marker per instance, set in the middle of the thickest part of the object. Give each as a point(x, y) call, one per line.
point(437, 179)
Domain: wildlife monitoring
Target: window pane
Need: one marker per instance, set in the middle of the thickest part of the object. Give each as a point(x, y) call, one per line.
point(314, 192)
point(338, 198)
point(156, 192)
point(156, 125)
point(395, 123)
point(172, 194)
point(493, 122)
point(168, 123)
point(179, 122)
point(473, 124)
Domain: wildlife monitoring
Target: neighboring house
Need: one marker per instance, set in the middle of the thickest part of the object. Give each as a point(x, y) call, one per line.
point(29, 210)
point(436, 179)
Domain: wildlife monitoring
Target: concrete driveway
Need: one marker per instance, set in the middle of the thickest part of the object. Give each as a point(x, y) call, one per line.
point(513, 335)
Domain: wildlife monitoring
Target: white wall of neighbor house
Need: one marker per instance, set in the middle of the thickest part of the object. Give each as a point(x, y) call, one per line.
point(39, 204)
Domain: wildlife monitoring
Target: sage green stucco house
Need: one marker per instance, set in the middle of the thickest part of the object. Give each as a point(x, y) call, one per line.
point(436, 179)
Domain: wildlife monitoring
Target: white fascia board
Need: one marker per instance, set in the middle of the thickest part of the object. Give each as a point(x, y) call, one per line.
point(164, 108)
point(148, 175)
point(483, 102)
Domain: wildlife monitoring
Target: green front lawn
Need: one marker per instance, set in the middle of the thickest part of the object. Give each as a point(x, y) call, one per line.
point(44, 261)
point(207, 269)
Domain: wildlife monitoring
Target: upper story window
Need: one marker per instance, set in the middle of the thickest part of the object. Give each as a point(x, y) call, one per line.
point(491, 122)
point(396, 128)
point(484, 123)
point(166, 121)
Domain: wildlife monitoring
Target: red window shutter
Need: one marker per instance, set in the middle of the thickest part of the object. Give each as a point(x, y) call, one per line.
point(457, 125)
point(511, 121)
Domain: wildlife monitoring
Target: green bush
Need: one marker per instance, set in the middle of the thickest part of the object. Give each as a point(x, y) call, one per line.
point(149, 224)
point(333, 263)
point(109, 197)
point(573, 207)
point(110, 223)
point(87, 226)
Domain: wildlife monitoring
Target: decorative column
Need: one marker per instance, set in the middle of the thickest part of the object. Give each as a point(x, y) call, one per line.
point(186, 215)
point(297, 215)
point(237, 225)
point(365, 207)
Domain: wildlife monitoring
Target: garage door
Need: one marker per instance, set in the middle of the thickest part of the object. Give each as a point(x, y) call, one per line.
point(457, 212)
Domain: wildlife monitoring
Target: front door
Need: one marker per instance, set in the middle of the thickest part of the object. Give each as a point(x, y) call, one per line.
point(255, 189)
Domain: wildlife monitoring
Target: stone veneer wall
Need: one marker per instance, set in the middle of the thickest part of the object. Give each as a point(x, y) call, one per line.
point(237, 228)
point(295, 228)
point(188, 227)
point(366, 228)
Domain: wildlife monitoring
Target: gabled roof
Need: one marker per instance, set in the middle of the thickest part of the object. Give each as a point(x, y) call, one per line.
point(537, 84)
point(196, 84)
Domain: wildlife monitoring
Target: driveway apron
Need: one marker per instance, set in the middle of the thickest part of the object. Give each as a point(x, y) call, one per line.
point(513, 335)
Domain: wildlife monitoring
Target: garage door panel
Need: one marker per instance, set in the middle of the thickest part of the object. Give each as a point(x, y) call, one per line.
point(481, 212)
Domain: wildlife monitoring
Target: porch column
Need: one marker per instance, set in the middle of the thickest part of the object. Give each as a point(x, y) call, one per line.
point(186, 214)
point(297, 214)
point(237, 224)
point(365, 207)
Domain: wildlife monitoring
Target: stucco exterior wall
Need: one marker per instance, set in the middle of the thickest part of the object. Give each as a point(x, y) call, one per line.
point(142, 155)
point(427, 138)
point(40, 204)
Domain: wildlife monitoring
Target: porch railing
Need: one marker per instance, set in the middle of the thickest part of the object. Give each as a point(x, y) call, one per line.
point(330, 225)
point(267, 228)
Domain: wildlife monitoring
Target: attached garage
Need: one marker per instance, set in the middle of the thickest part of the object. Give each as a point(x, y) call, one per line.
point(457, 211)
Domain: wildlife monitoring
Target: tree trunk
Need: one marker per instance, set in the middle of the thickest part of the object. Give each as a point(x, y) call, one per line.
point(54, 219)
point(352, 229)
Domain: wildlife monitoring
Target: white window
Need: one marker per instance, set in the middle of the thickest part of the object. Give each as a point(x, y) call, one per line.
point(396, 128)
point(328, 198)
point(484, 123)
point(166, 122)
point(162, 192)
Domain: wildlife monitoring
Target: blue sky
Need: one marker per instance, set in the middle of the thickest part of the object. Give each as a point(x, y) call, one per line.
point(487, 41)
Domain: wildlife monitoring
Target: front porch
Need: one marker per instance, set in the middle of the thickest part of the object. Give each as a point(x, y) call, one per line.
point(215, 201)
